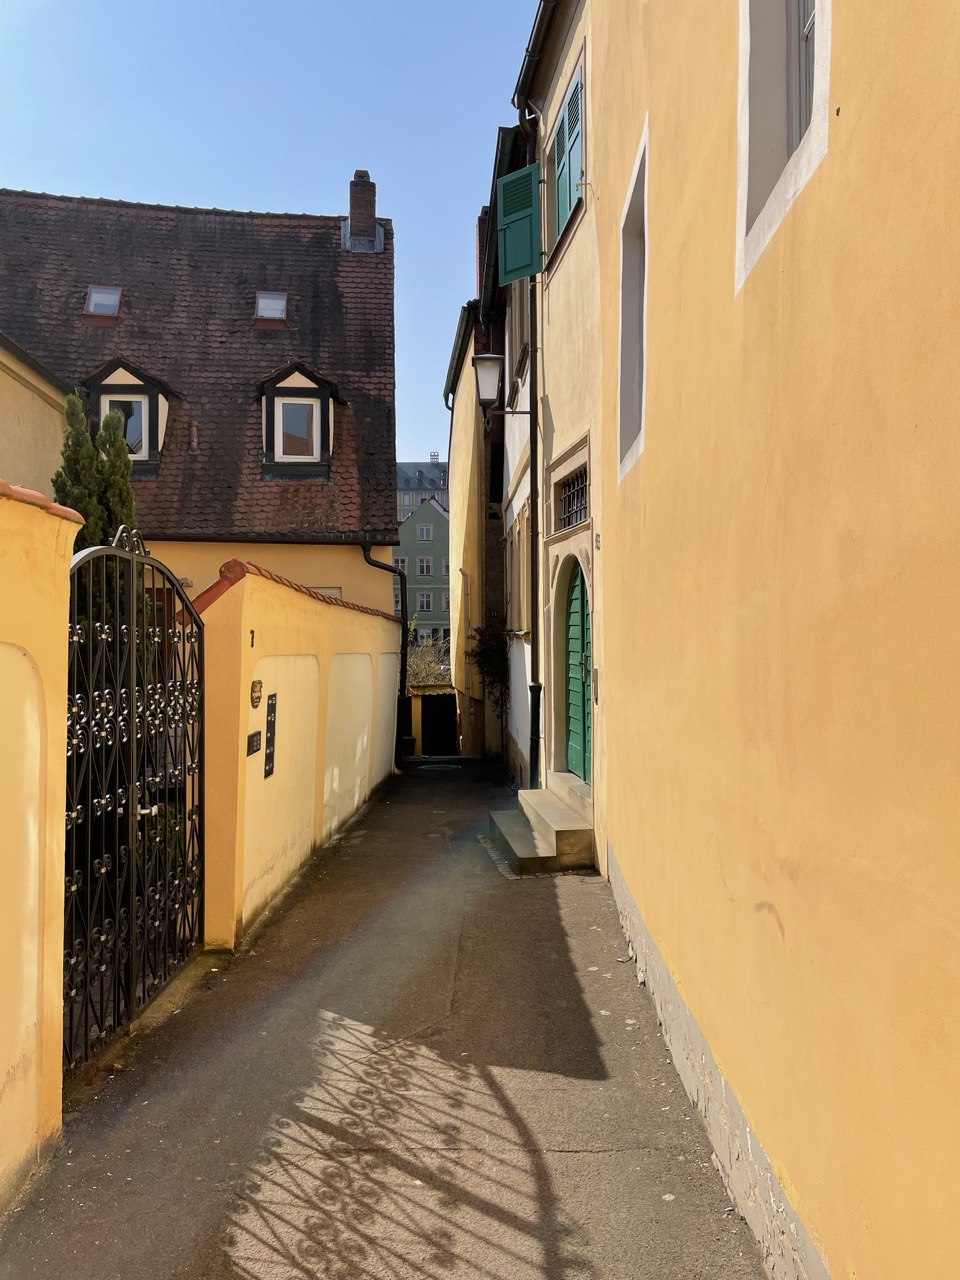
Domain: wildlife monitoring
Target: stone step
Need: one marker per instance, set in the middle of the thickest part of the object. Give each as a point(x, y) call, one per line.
point(511, 832)
point(558, 829)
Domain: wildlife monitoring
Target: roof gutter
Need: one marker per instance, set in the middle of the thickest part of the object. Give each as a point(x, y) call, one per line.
point(468, 315)
point(507, 145)
point(542, 24)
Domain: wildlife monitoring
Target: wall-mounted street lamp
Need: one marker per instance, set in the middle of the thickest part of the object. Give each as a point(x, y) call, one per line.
point(489, 371)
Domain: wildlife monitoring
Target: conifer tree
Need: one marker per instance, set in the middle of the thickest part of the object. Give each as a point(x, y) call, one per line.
point(116, 492)
point(94, 476)
point(77, 483)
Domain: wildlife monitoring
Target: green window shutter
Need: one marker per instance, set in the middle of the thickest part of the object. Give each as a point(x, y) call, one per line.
point(575, 140)
point(561, 173)
point(568, 154)
point(518, 224)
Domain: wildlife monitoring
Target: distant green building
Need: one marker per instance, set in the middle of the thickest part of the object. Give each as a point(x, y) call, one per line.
point(424, 555)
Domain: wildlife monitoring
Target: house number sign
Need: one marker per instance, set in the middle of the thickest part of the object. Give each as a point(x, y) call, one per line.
point(271, 735)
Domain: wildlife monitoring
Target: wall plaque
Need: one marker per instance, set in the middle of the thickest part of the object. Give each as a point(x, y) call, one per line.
point(271, 735)
point(254, 742)
point(256, 693)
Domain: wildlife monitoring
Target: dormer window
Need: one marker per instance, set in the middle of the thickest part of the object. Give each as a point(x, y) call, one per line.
point(271, 306)
point(103, 302)
point(298, 424)
point(144, 403)
point(136, 418)
point(298, 437)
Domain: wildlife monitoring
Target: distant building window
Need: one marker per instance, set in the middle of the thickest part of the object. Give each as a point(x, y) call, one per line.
point(136, 421)
point(400, 562)
point(298, 438)
point(271, 306)
point(425, 602)
point(424, 532)
point(446, 601)
point(573, 499)
point(103, 300)
point(425, 567)
point(396, 602)
point(446, 568)
point(424, 635)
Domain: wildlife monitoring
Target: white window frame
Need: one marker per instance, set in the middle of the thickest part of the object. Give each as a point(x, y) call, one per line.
point(804, 162)
point(424, 635)
point(424, 608)
point(317, 406)
point(106, 396)
point(102, 288)
point(424, 532)
point(400, 562)
point(446, 568)
point(641, 172)
point(271, 293)
point(428, 561)
point(445, 601)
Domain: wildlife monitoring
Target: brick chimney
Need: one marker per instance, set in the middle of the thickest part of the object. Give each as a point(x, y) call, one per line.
point(363, 206)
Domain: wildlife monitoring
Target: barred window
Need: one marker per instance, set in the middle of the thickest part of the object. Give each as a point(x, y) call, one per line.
point(573, 499)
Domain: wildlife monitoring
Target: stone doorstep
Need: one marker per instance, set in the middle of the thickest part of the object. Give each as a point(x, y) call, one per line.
point(543, 836)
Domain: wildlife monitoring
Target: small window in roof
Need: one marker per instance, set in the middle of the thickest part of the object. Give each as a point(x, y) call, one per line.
point(271, 306)
point(102, 300)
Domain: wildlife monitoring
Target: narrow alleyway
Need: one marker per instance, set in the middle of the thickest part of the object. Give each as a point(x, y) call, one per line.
point(418, 1068)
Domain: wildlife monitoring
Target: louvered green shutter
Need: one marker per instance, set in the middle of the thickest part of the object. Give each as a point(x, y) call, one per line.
point(562, 172)
point(518, 224)
point(568, 154)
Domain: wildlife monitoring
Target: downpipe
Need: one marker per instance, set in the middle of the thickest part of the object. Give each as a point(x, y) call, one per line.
point(403, 700)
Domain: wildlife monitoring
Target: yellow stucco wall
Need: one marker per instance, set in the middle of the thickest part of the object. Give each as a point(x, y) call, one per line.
point(35, 549)
point(31, 425)
point(467, 512)
point(335, 672)
point(780, 652)
point(317, 567)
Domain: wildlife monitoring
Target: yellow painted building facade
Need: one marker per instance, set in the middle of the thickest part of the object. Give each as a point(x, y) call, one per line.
point(32, 424)
point(748, 340)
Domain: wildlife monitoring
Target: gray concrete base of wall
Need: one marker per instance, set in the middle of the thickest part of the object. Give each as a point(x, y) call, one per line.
point(789, 1252)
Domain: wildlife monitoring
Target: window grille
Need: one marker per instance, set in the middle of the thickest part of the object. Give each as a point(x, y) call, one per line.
point(573, 499)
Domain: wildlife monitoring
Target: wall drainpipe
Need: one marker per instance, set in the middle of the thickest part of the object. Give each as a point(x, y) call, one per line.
point(403, 701)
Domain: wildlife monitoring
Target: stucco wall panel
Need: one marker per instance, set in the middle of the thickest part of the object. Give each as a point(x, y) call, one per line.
point(346, 779)
point(35, 549)
point(31, 425)
point(278, 828)
point(777, 572)
point(334, 738)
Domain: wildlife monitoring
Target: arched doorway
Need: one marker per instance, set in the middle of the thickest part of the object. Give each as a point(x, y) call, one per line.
point(579, 718)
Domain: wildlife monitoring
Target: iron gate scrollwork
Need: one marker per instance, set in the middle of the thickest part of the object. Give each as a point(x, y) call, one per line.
point(134, 829)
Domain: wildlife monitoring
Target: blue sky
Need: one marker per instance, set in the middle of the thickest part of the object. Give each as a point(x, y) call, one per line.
point(247, 105)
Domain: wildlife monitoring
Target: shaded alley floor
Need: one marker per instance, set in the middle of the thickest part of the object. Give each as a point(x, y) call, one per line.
point(417, 1068)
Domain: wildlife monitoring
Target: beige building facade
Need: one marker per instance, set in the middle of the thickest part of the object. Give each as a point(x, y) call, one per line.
point(746, 339)
point(32, 425)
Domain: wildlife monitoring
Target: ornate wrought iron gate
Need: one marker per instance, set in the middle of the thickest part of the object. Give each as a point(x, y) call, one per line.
point(134, 847)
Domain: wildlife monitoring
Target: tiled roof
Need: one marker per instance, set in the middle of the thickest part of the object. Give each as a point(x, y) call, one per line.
point(189, 280)
point(421, 475)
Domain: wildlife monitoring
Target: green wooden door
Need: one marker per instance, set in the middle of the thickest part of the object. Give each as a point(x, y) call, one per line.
point(579, 708)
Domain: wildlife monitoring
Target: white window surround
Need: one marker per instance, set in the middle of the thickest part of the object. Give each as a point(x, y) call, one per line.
point(424, 532)
point(103, 300)
point(400, 562)
point(425, 602)
point(801, 165)
point(143, 453)
point(425, 567)
point(633, 327)
point(317, 407)
point(271, 304)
